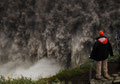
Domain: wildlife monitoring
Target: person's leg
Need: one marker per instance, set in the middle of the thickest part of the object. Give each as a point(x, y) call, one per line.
point(105, 69)
point(98, 69)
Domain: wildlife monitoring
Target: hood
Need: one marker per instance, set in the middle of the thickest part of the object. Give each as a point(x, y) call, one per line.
point(103, 40)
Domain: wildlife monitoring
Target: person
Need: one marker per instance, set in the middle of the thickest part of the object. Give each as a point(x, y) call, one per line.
point(101, 50)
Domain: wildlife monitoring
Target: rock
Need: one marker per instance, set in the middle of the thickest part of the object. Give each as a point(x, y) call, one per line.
point(115, 75)
point(93, 81)
point(48, 28)
point(116, 81)
point(116, 78)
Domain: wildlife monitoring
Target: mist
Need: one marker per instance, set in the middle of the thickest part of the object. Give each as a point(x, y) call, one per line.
point(43, 68)
point(31, 30)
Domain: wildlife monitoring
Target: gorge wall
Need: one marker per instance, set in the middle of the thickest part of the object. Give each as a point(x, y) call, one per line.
point(61, 29)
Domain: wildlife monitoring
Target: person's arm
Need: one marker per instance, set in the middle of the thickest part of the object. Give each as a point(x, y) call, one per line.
point(110, 49)
point(93, 50)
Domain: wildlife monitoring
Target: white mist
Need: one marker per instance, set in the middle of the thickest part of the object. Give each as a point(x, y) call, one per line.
point(43, 68)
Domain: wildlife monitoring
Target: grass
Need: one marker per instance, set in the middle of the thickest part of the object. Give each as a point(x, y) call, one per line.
point(22, 80)
point(115, 58)
point(79, 71)
point(59, 78)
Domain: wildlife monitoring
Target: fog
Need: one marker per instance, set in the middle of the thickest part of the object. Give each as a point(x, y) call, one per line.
point(43, 68)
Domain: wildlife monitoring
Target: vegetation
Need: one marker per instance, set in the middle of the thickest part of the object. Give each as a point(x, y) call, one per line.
point(115, 58)
point(79, 71)
point(59, 78)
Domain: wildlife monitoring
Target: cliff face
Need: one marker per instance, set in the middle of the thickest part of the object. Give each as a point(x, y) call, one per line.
point(60, 29)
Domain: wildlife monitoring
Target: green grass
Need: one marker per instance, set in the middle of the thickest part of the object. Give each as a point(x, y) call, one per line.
point(62, 76)
point(79, 71)
point(22, 80)
point(115, 58)
point(59, 78)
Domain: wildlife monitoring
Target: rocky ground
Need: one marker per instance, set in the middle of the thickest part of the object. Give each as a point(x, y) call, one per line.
point(116, 80)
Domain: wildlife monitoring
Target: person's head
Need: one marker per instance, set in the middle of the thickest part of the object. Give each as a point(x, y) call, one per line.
point(101, 33)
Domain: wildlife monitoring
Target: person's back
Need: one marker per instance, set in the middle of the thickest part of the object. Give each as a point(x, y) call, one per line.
point(101, 50)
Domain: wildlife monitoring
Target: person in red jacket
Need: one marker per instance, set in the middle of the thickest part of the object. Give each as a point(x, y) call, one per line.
point(101, 50)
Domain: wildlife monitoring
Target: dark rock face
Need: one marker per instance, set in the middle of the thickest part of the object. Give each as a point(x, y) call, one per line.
point(60, 29)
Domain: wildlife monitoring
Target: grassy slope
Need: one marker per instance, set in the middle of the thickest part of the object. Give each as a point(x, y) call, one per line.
point(67, 74)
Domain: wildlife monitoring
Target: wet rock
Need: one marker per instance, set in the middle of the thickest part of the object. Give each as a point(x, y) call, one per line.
point(115, 75)
point(93, 81)
point(60, 29)
point(116, 80)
